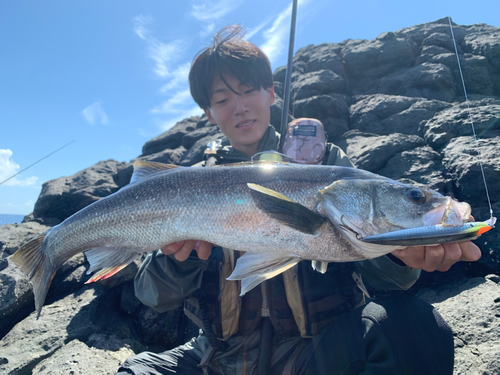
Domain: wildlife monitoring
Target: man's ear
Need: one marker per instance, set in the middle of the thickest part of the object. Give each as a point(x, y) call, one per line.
point(272, 95)
point(209, 115)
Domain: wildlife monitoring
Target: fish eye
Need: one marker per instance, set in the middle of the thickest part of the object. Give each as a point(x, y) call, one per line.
point(416, 195)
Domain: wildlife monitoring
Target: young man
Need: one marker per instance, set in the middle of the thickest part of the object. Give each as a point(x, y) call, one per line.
point(300, 322)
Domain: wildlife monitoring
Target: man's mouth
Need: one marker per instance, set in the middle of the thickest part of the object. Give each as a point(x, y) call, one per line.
point(244, 124)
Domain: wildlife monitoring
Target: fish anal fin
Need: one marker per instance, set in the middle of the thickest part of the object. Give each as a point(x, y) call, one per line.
point(144, 169)
point(285, 210)
point(105, 273)
point(107, 261)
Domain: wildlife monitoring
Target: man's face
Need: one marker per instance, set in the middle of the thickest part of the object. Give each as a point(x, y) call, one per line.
point(243, 118)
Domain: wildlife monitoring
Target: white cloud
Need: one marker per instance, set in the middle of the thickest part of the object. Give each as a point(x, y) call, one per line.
point(211, 10)
point(278, 34)
point(256, 29)
point(208, 30)
point(173, 105)
point(95, 112)
point(8, 168)
point(180, 77)
point(161, 53)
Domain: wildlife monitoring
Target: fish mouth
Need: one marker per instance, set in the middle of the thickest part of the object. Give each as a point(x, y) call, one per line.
point(450, 214)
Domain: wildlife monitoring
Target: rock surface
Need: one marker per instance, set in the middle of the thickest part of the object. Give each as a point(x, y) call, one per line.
point(395, 104)
point(472, 309)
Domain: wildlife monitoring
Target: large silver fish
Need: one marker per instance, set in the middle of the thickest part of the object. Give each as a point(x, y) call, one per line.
point(278, 213)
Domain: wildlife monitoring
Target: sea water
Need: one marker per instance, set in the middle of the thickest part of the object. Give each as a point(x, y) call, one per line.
point(10, 219)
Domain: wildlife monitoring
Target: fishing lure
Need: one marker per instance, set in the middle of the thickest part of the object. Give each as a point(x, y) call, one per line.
point(433, 234)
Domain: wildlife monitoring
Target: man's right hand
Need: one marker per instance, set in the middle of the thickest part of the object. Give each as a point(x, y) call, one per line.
point(182, 249)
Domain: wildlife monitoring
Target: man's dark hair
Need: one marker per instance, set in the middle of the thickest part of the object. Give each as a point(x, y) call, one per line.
point(228, 54)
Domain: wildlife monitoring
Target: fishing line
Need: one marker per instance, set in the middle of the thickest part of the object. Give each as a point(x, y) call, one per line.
point(470, 118)
point(45, 157)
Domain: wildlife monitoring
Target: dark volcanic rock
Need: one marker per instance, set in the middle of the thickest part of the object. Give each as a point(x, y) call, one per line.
point(317, 83)
point(421, 167)
point(432, 81)
point(455, 121)
point(367, 61)
point(372, 152)
point(63, 197)
point(332, 110)
point(472, 309)
point(172, 138)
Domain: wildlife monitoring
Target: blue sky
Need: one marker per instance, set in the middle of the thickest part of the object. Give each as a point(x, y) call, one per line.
point(113, 74)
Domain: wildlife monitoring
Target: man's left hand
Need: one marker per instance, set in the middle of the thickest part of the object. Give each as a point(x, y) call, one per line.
point(439, 257)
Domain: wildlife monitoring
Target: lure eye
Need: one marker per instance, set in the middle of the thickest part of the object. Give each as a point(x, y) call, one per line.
point(416, 195)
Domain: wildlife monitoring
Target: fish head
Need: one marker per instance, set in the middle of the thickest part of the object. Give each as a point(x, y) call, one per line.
point(374, 206)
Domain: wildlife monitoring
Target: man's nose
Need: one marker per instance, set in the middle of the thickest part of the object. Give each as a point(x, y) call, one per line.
point(241, 105)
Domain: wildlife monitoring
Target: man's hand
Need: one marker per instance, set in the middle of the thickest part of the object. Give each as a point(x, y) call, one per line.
point(439, 257)
point(182, 249)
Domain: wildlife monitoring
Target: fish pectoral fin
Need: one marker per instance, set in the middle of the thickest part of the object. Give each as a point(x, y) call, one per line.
point(253, 268)
point(145, 169)
point(108, 261)
point(248, 283)
point(285, 210)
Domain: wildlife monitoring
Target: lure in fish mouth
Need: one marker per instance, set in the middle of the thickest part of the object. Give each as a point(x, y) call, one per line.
point(371, 207)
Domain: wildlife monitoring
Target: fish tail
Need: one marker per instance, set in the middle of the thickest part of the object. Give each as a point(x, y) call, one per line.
point(32, 259)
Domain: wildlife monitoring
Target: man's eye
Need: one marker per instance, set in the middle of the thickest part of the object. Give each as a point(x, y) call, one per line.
point(221, 101)
point(249, 91)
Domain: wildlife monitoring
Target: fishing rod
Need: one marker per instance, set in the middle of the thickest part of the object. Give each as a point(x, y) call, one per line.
point(45, 157)
point(288, 76)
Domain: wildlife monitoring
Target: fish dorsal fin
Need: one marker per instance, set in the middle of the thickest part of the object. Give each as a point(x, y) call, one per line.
point(145, 169)
point(286, 211)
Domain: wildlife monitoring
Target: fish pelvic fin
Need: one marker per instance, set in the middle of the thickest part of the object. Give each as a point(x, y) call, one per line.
point(254, 268)
point(285, 210)
point(32, 259)
point(108, 261)
point(145, 169)
point(319, 266)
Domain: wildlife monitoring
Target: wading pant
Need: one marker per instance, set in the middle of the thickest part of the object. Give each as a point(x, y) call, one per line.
point(395, 335)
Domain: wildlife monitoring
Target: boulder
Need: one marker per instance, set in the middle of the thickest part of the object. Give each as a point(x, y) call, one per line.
point(455, 121)
point(472, 309)
point(64, 196)
point(372, 152)
point(172, 138)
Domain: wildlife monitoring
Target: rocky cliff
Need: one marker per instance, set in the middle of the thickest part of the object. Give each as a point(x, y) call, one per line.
point(395, 104)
